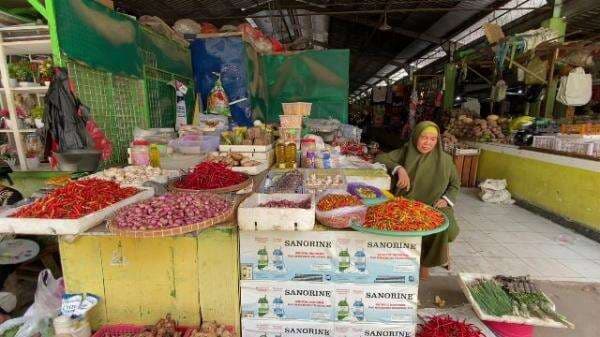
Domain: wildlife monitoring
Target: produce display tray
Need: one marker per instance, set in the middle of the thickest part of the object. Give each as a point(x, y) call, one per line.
point(171, 231)
point(233, 188)
point(252, 170)
point(375, 178)
point(245, 148)
point(37, 226)
point(268, 156)
point(441, 228)
point(252, 217)
point(128, 330)
point(465, 278)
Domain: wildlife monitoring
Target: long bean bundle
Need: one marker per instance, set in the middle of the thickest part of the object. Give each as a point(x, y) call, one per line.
point(491, 297)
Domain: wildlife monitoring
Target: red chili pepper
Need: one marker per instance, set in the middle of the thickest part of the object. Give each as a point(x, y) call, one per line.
point(403, 214)
point(333, 201)
point(446, 326)
point(210, 175)
point(76, 199)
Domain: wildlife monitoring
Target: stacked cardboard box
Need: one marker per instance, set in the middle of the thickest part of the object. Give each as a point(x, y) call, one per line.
point(328, 283)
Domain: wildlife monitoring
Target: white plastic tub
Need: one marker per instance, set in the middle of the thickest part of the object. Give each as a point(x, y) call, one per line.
point(252, 217)
point(65, 226)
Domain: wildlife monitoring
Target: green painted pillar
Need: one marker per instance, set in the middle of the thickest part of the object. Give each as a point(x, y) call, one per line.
point(449, 85)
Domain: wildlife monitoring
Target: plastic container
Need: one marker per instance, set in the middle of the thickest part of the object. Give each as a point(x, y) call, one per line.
point(253, 217)
point(343, 217)
point(140, 155)
point(290, 121)
point(127, 330)
point(502, 329)
point(297, 108)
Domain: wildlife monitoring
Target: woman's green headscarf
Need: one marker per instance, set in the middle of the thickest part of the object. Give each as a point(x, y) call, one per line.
point(429, 173)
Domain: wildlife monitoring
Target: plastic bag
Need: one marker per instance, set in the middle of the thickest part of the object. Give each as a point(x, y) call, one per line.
point(46, 305)
point(101, 143)
point(576, 88)
point(217, 102)
point(187, 26)
point(494, 191)
point(342, 217)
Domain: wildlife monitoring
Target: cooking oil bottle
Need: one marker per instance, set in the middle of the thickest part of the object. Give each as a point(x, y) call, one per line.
point(280, 154)
point(290, 155)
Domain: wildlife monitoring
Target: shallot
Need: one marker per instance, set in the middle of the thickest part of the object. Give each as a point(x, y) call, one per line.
point(171, 210)
point(287, 204)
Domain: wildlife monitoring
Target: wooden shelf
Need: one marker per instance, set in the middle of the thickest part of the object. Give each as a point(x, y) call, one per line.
point(32, 90)
point(31, 47)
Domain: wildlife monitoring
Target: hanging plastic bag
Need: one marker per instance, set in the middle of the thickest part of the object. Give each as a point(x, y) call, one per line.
point(217, 101)
point(575, 89)
point(537, 67)
point(46, 305)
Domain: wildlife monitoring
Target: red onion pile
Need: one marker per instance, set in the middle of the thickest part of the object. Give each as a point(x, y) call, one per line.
point(287, 204)
point(171, 210)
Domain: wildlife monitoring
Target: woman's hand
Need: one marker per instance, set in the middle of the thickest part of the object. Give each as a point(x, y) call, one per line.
point(442, 203)
point(403, 178)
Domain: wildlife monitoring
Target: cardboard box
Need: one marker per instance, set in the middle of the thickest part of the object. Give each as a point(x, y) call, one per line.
point(329, 256)
point(388, 303)
point(288, 328)
point(287, 300)
point(373, 329)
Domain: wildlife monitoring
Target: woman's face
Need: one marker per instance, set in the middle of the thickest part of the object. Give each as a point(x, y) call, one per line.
point(427, 142)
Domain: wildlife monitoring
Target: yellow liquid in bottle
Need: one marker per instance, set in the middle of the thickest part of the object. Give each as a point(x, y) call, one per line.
point(290, 155)
point(280, 155)
point(154, 156)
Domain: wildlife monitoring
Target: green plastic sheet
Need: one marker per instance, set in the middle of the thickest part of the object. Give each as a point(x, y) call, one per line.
point(103, 39)
point(319, 77)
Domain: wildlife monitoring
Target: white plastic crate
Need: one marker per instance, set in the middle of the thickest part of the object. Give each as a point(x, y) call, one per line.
point(544, 142)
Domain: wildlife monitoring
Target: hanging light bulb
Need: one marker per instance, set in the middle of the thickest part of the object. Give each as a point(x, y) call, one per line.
point(385, 27)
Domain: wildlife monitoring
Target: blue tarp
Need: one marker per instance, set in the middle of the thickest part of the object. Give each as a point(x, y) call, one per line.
point(223, 55)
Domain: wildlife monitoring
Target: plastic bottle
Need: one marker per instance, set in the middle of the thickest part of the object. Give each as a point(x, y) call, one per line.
point(154, 156)
point(280, 155)
point(290, 155)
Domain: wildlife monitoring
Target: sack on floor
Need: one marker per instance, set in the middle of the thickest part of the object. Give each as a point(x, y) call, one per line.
point(494, 191)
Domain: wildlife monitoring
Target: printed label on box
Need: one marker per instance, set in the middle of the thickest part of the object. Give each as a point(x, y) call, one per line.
point(287, 300)
point(289, 328)
point(375, 303)
point(286, 256)
point(373, 330)
point(336, 256)
point(367, 258)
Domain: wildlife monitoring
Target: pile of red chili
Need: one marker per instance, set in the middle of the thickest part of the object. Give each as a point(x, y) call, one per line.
point(333, 201)
point(403, 215)
point(76, 199)
point(210, 175)
point(446, 326)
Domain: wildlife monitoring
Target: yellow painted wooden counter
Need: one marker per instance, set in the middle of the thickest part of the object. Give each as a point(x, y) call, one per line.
point(562, 185)
point(140, 280)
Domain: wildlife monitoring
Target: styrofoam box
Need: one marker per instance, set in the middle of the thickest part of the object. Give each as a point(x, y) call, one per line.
point(386, 303)
point(268, 156)
point(252, 217)
point(287, 300)
point(251, 170)
point(323, 256)
point(65, 226)
point(375, 178)
point(347, 329)
point(245, 148)
point(287, 328)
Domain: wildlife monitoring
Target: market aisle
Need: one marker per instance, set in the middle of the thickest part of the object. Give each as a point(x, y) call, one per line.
point(507, 239)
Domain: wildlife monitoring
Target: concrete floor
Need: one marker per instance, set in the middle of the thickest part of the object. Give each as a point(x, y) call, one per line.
point(578, 301)
point(509, 240)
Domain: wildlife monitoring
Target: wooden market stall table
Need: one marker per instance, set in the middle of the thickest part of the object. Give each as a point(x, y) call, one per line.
point(560, 184)
point(191, 276)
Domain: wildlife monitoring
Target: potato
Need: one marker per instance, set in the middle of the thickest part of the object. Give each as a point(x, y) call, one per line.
point(236, 156)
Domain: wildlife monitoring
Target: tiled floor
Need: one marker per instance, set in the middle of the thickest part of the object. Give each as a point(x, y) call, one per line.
point(507, 239)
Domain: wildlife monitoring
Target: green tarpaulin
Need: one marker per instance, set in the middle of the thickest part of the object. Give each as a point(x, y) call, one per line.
point(319, 77)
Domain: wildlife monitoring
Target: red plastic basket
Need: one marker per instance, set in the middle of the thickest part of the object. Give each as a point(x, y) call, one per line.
point(124, 330)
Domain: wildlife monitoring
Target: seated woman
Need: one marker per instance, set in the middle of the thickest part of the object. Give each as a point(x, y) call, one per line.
point(427, 174)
